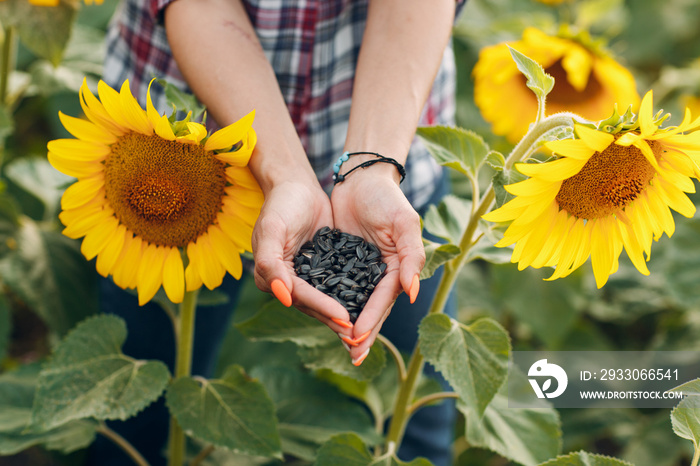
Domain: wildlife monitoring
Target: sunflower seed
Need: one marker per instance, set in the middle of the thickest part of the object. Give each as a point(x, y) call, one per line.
point(342, 265)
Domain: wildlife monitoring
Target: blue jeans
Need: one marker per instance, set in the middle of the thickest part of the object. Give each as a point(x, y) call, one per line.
point(429, 432)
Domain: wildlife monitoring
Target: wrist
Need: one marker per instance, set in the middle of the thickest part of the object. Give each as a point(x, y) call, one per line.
point(276, 169)
point(363, 164)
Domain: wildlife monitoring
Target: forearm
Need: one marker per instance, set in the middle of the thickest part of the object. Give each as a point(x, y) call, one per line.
point(224, 65)
point(402, 49)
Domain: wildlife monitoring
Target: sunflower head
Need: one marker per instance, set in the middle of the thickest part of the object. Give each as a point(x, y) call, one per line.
point(158, 201)
point(588, 81)
point(610, 187)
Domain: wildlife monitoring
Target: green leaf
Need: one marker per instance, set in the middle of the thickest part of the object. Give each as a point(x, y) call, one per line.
point(16, 433)
point(436, 254)
point(349, 450)
point(525, 435)
point(473, 359)
point(5, 327)
point(37, 177)
point(537, 80)
point(691, 387)
point(334, 357)
point(685, 419)
point(233, 412)
point(277, 323)
point(503, 178)
point(89, 376)
point(449, 219)
point(47, 271)
point(484, 249)
point(181, 100)
point(457, 148)
point(581, 458)
point(496, 160)
point(45, 30)
point(310, 411)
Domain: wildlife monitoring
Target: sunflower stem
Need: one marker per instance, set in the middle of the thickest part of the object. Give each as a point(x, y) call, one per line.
point(7, 62)
point(403, 409)
point(122, 443)
point(184, 340)
point(696, 457)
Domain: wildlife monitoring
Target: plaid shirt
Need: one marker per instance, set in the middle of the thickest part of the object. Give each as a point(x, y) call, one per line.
point(313, 47)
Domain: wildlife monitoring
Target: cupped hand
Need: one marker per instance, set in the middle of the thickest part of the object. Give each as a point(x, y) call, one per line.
point(292, 213)
point(370, 204)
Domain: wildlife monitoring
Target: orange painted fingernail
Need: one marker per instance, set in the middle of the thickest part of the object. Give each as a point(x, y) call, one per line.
point(362, 337)
point(281, 292)
point(342, 323)
point(357, 361)
point(348, 340)
point(415, 286)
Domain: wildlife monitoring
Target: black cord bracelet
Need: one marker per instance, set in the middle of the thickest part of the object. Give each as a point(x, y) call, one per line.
point(337, 177)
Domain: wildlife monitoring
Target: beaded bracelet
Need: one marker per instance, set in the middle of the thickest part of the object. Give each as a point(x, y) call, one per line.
point(337, 177)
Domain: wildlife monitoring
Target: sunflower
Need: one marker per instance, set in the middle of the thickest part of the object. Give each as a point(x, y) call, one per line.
point(610, 187)
point(150, 191)
point(587, 82)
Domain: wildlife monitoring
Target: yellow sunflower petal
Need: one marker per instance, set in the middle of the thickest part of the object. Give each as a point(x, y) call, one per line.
point(96, 239)
point(125, 271)
point(210, 269)
point(82, 192)
point(96, 112)
point(108, 257)
point(596, 140)
point(79, 151)
point(601, 251)
point(646, 117)
point(556, 170)
point(112, 104)
point(86, 130)
point(228, 254)
point(174, 275)
point(633, 248)
point(571, 148)
point(231, 134)
point(132, 111)
point(164, 129)
point(150, 274)
point(74, 168)
point(193, 281)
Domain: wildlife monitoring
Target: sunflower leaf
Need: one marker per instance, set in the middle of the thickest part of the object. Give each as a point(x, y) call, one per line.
point(537, 79)
point(277, 323)
point(503, 178)
point(473, 358)
point(457, 148)
point(334, 357)
point(311, 411)
point(449, 219)
point(436, 254)
point(89, 376)
point(16, 432)
point(181, 100)
point(685, 419)
point(582, 458)
point(44, 30)
point(691, 387)
point(38, 178)
point(233, 412)
point(525, 435)
point(350, 450)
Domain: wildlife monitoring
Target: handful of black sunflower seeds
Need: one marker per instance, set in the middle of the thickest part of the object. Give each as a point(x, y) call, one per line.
point(344, 266)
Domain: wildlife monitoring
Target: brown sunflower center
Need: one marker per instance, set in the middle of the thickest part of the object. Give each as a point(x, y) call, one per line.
point(564, 93)
point(166, 192)
point(608, 182)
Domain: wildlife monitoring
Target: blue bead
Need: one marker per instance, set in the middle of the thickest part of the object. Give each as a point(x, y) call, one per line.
point(345, 156)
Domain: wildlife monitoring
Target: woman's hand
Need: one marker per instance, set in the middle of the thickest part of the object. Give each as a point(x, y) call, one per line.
point(370, 204)
point(292, 213)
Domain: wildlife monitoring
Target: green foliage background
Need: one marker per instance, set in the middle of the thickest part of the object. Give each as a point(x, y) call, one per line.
point(46, 287)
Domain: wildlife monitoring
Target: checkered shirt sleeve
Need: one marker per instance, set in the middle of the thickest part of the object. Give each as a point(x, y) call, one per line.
point(313, 47)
